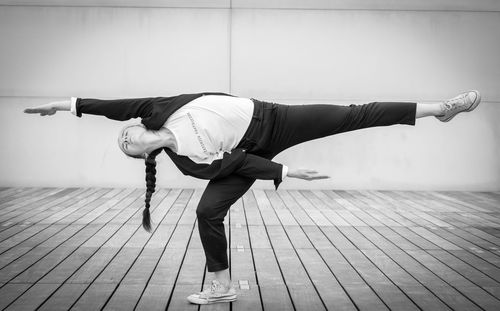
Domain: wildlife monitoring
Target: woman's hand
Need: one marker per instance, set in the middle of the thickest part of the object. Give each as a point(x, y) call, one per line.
point(307, 174)
point(43, 110)
point(50, 108)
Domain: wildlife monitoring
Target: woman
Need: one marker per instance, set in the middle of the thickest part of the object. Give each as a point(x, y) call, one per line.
point(231, 141)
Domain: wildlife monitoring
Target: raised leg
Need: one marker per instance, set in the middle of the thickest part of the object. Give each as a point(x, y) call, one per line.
point(301, 123)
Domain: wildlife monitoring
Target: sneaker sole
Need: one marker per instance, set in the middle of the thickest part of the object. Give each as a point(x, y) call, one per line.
point(216, 300)
point(472, 107)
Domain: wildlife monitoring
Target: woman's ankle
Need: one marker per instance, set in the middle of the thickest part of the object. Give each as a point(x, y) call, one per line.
point(428, 110)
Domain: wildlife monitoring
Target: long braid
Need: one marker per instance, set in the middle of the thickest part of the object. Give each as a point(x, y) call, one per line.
point(150, 162)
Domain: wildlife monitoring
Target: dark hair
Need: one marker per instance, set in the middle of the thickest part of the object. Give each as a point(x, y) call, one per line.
point(150, 162)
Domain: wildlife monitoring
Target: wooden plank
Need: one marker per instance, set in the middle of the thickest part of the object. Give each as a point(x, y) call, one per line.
point(112, 244)
point(274, 293)
point(396, 239)
point(329, 202)
point(361, 213)
point(302, 291)
point(33, 297)
point(392, 296)
point(25, 199)
point(242, 272)
point(297, 237)
point(445, 198)
point(258, 237)
point(239, 233)
point(420, 295)
point(478, 202)
point(14, 196)
point(341, 200)
point(483, 235)
point(331, 292)
point(341, 268)
point(278, 237)
point(60, 253)
point(267, 213)
point(464, 269)
point(236, 214)
point(125, 297)
point(384, 209)
point(479, 263)
point(376, 238)
point(351, 218)
point(356, 238)
point(364, 297)
point(415, 238)
point(251, 210)
point(190, 274)
point(317, 237)
point(337, 238)
point(64, 297)
point(44, 230)
point(477, 241)
point(34, 255)
point(313, 212)
point(155, 297)
point(300, 215)
point(86, 250)
point(94, 297)
point(285, 217)
point(190, 279)
point(467, 288)
point(272, 286)
point(17, 234)
point(48, 206)
point(10, 191)
point(435, 239)
point(459, 270)
point(110, 201)
point(447, 294)
point(116, 257)
point(10, 292)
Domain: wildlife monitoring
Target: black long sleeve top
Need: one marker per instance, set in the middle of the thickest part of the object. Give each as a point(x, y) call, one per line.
point(154, 112)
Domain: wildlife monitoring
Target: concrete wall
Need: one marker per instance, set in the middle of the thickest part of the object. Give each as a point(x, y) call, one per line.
point(293, 52)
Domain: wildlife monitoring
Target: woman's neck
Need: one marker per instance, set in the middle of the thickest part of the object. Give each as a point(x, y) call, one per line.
point(169, 139)
point(160, 139)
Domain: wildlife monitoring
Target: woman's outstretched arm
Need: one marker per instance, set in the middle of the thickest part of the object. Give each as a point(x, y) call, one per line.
point(241, 163)
point(50, 108)
point(115, 109)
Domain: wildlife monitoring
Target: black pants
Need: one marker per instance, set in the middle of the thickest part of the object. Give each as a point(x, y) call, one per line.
point(274, 128)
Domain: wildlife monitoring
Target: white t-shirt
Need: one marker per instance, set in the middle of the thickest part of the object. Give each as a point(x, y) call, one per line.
point(210, 125)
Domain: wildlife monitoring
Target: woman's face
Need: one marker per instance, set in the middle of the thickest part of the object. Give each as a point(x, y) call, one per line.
point(130, 140)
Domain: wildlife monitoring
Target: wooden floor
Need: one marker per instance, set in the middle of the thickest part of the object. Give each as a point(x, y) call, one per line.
point(84, 249)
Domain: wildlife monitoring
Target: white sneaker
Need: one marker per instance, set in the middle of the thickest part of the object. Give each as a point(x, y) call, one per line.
point(467, 101)
point(215, 293)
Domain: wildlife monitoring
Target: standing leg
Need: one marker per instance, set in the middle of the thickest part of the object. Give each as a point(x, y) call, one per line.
point(214, 204)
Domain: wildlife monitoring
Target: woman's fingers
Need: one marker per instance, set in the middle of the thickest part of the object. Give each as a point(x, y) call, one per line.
point(31, 110)
point(41, 111)
point(320, 177)
point(315, 175)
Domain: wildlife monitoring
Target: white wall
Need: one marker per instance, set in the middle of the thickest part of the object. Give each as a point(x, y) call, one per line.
point(291, 52)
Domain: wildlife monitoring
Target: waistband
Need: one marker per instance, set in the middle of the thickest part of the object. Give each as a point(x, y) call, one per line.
point(249, 139)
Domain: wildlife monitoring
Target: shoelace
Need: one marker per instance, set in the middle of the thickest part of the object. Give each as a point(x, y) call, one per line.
point(451, 104)
point(213, 287)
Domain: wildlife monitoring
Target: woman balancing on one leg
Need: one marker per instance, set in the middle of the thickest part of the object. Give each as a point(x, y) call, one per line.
point(231, 141)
